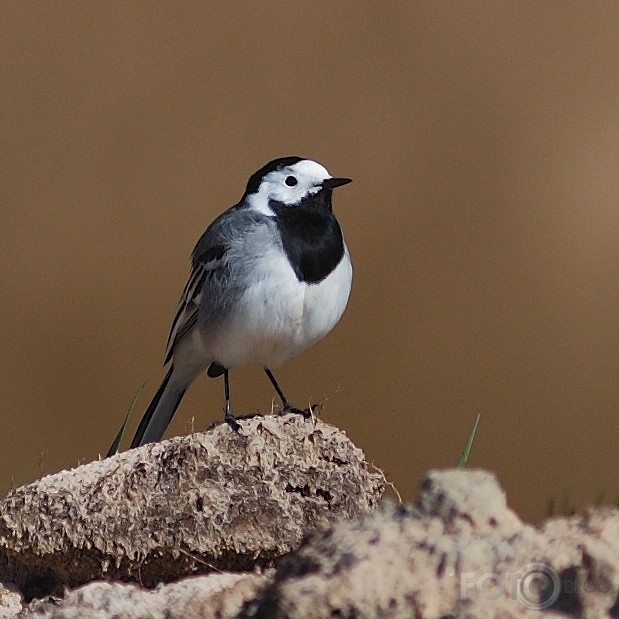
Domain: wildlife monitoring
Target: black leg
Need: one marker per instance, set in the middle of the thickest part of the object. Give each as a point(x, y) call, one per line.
point(229, 418)
point(288, 408)
point(280, 393)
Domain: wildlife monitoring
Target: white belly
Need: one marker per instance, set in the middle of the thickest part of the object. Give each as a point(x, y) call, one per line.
point(278, 317)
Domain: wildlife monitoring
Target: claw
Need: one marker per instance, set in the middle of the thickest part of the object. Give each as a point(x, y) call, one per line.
point(305, 412)
point(230, 419)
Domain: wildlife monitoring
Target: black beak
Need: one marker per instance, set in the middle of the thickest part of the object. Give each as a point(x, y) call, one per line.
point(332, 183)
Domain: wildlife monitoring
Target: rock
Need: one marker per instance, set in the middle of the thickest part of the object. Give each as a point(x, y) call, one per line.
point(218, 596)
point(460, 552)
point(474, 497)
point(10, 602)
point(217, 500)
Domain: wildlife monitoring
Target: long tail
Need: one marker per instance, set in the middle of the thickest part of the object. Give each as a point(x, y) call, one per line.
point(160, 411)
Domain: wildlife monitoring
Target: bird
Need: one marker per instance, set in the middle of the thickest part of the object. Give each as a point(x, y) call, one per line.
point(270, 277)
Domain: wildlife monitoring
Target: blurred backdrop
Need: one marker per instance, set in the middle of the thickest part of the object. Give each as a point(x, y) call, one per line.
point(483, 221)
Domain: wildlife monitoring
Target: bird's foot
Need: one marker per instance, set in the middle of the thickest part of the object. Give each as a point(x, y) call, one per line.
point(230, 419)
point(306, 413)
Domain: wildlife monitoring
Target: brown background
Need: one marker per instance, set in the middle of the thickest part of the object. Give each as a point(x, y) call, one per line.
point(483, 221)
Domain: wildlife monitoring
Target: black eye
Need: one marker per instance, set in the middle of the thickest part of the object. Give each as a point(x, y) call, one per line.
point(291, 181)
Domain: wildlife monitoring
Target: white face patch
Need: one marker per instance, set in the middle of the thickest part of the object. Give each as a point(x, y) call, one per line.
point(289, 185)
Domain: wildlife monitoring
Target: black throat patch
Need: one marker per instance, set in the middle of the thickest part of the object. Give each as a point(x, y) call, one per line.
point(311, 236)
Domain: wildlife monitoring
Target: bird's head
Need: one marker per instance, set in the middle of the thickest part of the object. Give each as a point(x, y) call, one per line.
point(289, 182)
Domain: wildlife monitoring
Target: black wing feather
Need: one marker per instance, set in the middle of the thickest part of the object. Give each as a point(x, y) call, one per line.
point(204, 264)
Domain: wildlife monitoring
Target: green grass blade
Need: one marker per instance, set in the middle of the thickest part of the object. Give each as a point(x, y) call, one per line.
point(551, 508)
point(566, 503)
point(119, 436)
point(468, 445)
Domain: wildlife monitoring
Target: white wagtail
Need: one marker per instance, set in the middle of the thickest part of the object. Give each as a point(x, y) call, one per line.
point(270, 277)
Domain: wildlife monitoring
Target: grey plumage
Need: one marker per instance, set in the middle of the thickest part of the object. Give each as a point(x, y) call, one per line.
point(219, 269)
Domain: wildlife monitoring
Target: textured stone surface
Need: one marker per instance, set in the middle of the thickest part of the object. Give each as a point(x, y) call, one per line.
point(459, 553)
point(216, 499)
point(10, 602)
point(218, 596)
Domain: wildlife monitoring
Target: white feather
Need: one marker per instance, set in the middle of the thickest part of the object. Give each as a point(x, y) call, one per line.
point(309, 176)
point(278, 316)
